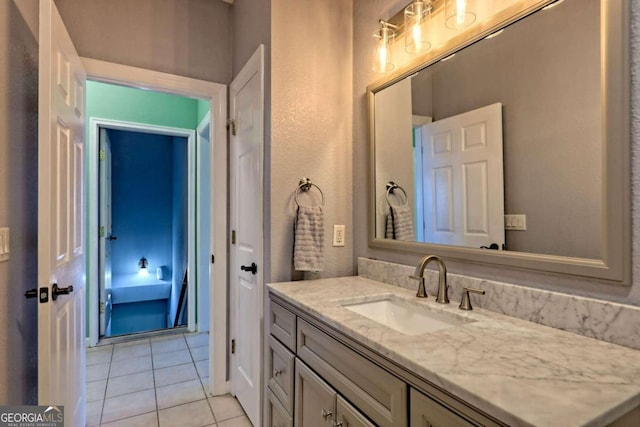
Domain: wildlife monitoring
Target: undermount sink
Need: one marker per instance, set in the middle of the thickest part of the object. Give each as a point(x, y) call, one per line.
point(405, 317)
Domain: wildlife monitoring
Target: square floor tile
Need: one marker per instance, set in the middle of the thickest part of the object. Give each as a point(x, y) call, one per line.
point(236, 422)
point(205, 385)
point(175, 374)
point(127, 405)
point(95, 390)
point(194, 414)
point(225, 407)
point(97, 372)
point(165, 345)
point(177, 394)
point(198, 340)
point(130, 366)
point(145, 420)
point(129, 383)
point(94, 411)
point(130, 351)
point(200, 353)
point(171, 358)
point(99, 356)
point(203, 368)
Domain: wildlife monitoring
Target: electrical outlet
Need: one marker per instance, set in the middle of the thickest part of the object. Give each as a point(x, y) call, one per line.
point(338, 235)
point(4, 244)
point(515, 222)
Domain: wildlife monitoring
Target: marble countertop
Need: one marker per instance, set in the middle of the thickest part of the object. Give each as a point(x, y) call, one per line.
point(522, 373)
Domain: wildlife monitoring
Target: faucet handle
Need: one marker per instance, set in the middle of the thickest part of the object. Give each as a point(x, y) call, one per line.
point(422, 291)
point(465, 304)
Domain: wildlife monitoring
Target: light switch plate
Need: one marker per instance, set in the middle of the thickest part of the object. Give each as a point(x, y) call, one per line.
point(515, 222)
point(4, 244)
point(338, 235)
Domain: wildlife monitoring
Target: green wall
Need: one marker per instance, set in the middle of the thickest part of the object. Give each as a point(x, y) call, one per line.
point(203, 108)
point(107, 101)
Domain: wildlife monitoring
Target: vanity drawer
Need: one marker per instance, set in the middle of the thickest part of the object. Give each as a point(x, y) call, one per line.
point(277, 416)
point(374, 391)
point(282, 325)
point(280, 365)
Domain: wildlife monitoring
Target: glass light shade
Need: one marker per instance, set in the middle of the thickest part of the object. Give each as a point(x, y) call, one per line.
point(382, 52)
point(416, 16)
point(459, 14)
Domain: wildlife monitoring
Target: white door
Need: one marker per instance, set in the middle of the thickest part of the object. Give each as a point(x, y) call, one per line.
point(463, 179)
point(247, 138)
point(106, 237)
point(61, 319)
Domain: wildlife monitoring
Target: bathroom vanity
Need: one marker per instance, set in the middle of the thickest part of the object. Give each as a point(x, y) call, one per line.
point(334, 359)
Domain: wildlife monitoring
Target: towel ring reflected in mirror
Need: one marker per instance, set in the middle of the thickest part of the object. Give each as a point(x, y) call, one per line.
point(391, 187)
point(305, 185)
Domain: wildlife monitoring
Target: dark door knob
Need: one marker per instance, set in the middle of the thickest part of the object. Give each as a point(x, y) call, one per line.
point(112, 238)
point(55, 291)
point(253, 268)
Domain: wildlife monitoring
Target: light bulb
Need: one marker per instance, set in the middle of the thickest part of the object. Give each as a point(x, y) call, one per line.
point(417, 36)
point(461, 10)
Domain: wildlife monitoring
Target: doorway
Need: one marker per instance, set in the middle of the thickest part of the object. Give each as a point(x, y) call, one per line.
point(214, 95)
point(143, 209)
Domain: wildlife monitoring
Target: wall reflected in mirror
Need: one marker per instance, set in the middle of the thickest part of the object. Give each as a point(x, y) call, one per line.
point(500, 145)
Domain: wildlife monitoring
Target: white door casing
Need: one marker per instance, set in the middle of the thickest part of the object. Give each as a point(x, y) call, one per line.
point(61, 257)
point(246, 171)
point(216, 94)
point(105, 235)
point(463, 179)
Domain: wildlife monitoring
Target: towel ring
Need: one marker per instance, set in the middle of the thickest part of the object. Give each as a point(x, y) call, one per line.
point(305, 185)
point(391, 187)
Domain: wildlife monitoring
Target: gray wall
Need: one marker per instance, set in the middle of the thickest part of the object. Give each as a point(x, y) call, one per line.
point(311, 125)
point(366, 15)
point(18, 199)
point(252, 27)
point(545, 70)
point(189, 38)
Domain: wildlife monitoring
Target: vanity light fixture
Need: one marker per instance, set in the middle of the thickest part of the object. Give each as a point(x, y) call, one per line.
point(382, 54)
point(554, 4)
point(416, 16)
point(496, 34)
point(459, 14)
point(143, 267)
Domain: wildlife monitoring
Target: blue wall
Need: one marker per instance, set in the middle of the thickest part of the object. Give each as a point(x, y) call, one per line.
point(143, 201)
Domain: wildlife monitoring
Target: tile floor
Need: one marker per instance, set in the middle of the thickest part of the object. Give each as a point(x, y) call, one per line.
point(160, 382)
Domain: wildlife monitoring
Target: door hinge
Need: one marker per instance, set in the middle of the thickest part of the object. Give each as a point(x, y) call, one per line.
point(233, 237)
point(102, 307)
point(102, 155)
point(231, 125)
point(213, 258)
point(101, 231)
point(233, 346)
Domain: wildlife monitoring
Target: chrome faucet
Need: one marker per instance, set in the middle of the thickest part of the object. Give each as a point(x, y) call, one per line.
point(442, 297)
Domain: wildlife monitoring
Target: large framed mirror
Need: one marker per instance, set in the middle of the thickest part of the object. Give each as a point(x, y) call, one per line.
point(510, 143)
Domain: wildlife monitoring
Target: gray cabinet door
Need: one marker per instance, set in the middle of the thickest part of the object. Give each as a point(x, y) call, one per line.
point(348, 416)
point(315, 400)
point(426, 412)
point(277, 415)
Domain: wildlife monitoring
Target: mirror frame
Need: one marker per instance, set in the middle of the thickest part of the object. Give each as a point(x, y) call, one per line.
point(615, 265)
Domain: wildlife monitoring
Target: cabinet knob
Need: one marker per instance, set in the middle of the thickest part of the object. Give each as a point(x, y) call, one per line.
point(338, 424)
point(276, 372)
point(326, 415)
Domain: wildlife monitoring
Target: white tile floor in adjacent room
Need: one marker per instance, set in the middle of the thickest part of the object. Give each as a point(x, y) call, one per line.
point(160, 382)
